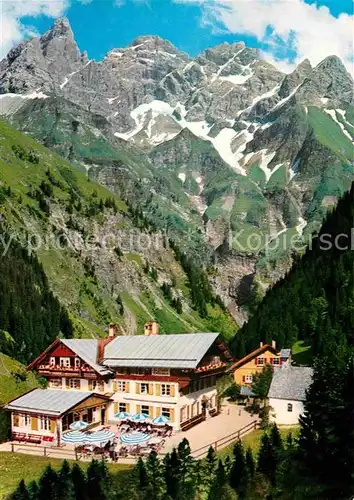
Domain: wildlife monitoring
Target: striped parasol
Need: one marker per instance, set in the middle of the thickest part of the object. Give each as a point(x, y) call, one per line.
point(122, 415)
point(74, 437)
point(101, 436)
point(79, 425)
point(133, 438)
point(139, 417)
point(161, 420)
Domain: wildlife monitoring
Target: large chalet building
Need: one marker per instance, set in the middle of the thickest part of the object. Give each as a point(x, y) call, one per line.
point(93, 380)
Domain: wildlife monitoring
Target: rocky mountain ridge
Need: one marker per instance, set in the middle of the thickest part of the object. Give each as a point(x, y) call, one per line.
point(211, 147)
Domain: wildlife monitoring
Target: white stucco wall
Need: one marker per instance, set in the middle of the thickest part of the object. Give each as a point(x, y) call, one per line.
point(280, 414)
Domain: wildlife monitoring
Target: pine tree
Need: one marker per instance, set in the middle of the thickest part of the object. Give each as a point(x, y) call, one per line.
point(141, 474)
point(172, 474)
point(250, 463)
point(21, 492)
point(186, 469)
point(156, 481)
point(239, 476)
point(65, 485)
point(79, 482)
point(97, 480)
point(267, 458)
point(220, 489)
point(48, 485)
point(33, 490)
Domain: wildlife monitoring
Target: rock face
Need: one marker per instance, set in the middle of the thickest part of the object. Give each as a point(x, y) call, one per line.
point(216, 150)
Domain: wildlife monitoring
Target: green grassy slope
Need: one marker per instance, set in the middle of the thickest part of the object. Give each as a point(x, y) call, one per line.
point(93, 249)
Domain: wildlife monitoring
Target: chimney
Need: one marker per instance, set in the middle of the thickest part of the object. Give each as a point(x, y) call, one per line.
point(274, 344)
point(112, 330)
point(151, 328)
point(261, 344)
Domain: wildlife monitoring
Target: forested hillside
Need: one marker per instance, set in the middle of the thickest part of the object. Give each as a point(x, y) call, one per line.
point(31, 317)
point(315, 300)
point(69, 244)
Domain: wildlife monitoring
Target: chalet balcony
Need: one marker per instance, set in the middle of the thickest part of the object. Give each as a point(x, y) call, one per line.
point(83, 371)
point(217, 365)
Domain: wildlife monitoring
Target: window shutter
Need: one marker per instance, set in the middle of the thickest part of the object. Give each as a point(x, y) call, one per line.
point(151, 389)
point(127, 387)
point(172, 391)
point(158, 411)
point(172, 414)
point(53, 425)
point(137, 408)
point(115, 386)
point(67, 383)
point(34, 424)
point(187, 412)
point(127, 406)
point(137, 389)
point(265, 361)
point(115, 406)
point(243, 378)
point(256, 361)
point(151, 412)
point(90, 385)
point(271, 361)
point(157, 389)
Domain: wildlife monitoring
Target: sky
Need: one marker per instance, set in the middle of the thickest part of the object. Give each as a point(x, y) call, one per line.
point(286, 31)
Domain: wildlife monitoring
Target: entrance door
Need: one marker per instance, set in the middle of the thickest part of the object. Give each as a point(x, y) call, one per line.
point(103, 416)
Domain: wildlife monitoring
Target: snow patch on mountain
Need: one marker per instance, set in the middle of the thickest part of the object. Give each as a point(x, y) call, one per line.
point(343, 115)
point(332, 114)
point(236, 79)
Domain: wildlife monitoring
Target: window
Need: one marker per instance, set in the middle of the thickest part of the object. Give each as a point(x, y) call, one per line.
point(122, 407)
point(87, 416)
point(65, 362)
point(276, 361)
point(183, 414)
point(55, 383)
point(165, 389)
point(161, 371)
point(121, 386)
point(165, 412)
point(45, 423)
point(194, 409)
point(249, 379)
point(144, 388)
point(290, 407)
point(26, 420)
point(145, 410)
point(194, 386)
point(260, 361)
point(77, 362)
point(97, 385)
point(74, 383)
point(52, 361)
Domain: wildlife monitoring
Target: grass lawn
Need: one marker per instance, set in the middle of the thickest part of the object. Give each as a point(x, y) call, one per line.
point(301, 354)
point(253, 439)
point(16, 466)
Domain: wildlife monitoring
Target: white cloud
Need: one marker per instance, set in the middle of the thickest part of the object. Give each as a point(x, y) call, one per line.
point(307, 30)
point(12, 31)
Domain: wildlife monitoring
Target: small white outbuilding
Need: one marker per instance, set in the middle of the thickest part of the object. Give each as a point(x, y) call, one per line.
point(287, 393)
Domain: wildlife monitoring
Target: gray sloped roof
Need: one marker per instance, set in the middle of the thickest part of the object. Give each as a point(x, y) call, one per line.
point(159, 351)
point(86, 349)
point(291, 383)
point(285, 353)
point(49, 401)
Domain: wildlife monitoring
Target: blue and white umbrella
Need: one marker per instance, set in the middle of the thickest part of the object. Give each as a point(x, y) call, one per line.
point(122, 415)
point(161, 420)
point(74, 437)
point(133, 438)
point(79, 425)
point(139, 417)
point(101, 436)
